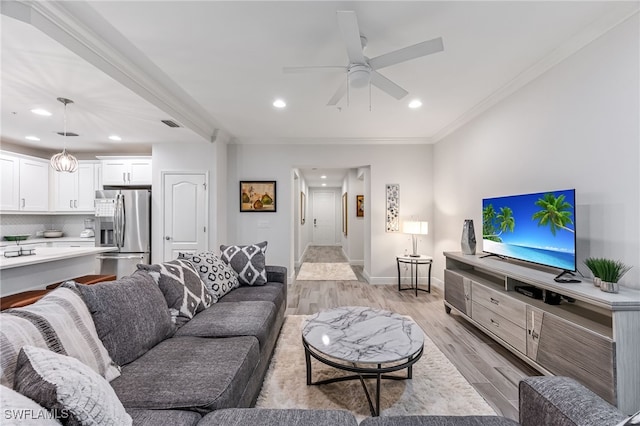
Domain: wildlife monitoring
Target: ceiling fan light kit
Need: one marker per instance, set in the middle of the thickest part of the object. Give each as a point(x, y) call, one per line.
point(362, 71)
point(63, 161)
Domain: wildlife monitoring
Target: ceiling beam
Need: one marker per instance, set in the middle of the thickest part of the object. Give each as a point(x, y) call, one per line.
point(79, 28)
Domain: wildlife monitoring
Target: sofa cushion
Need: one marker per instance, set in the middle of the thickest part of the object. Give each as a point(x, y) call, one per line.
point(69, 388)
point(130, 314)
point(233, 319)
point(217, 276)
point(438, 421)
point(142, 417)
point(273, 417)
point(270, 292)
point(192, 373)
point(16, 407)
point(248, 261)
point(182, 287)
point(61, 322)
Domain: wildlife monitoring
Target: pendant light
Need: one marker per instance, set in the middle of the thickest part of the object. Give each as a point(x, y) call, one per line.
point(63, 161)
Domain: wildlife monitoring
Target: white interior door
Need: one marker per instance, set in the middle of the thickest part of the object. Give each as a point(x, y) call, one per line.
point(324, 218)
point(185, 214)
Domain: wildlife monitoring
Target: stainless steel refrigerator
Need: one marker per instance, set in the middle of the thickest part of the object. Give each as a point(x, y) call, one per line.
point(123, 220)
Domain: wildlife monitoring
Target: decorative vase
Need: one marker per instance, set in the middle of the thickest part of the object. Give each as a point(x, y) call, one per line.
point(609, 287)
point(468, 242)
point(597, 281)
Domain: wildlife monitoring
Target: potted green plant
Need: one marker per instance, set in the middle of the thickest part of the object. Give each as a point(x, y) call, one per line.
point(606, 272)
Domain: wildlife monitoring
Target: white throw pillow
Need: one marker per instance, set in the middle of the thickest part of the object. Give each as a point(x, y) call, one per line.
point(68, 388)
point(61, 322)
point(18, 410)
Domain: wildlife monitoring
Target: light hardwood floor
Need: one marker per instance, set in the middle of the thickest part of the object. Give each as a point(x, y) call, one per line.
point(491, 369)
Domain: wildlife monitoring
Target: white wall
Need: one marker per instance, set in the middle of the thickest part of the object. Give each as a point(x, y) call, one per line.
point(408, 165)
point(576, 126)
point(353, 243)
point(204, 157)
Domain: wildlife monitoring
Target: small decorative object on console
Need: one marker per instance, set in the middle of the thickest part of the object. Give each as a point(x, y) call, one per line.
point(468, 242)
point(606, 272)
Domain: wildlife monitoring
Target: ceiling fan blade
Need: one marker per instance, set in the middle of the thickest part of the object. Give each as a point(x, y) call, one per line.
point(386, 85)
point(342, 90)
point(411, 52)
point(348, 23)
point(295, 70)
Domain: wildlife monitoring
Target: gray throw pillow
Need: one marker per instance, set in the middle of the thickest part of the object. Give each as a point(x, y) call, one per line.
point(72, 391)
point(130, 314)
point(182, 287)
point(217, 276)
point(248, 262)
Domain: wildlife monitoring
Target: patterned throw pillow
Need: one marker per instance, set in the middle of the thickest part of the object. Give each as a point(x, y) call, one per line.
point(67, 387)
point(61, 322)
point(248, 262)
point(217, 276)
point(182, 287)
point(18, 410)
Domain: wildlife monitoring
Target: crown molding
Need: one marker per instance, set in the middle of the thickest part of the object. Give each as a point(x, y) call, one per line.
point(590, 33)
point(79, 28)
point(331, 141)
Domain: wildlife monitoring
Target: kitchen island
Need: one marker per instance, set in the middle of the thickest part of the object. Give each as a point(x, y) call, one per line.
point(47, 266)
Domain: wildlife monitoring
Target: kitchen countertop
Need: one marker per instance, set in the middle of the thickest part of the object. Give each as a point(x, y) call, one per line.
point(51, 254)
point(41, 240)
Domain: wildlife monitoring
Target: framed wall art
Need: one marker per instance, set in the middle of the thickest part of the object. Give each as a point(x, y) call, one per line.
point(258, 196)
point(393, 208)
point(344, 214)
point(360, 205)
point(303, 208)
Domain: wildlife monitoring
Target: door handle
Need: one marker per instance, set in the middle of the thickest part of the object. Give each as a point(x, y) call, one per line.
point(24, 202)
point(75, 203)
point(129, 177)
point(120, 257)
point(70, 204)
point(167, 238)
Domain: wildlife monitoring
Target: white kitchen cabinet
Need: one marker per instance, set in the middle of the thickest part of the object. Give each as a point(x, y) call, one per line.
point(126, 171)
point(10, 182)
point(76, 191)
point(25, 183)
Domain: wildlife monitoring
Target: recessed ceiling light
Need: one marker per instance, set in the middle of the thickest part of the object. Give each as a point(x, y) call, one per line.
point(323, 177)
point(416, 103)
point(279, 103)
point(41, 111)
point(115, 138)
point(32, 138)
point(324, 184)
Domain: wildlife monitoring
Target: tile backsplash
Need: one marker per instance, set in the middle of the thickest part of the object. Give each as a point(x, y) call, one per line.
point(16, 224)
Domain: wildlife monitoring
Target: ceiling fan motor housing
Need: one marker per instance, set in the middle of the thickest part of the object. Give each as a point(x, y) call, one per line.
point(359, 75)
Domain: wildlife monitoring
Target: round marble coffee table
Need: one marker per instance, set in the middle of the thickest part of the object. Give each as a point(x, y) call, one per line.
point(360, 340)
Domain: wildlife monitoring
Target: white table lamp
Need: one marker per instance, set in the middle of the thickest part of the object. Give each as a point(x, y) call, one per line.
point(415, 228)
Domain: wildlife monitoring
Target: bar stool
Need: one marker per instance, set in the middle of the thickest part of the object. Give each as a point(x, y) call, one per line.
point(85, 279)
point(19, 300)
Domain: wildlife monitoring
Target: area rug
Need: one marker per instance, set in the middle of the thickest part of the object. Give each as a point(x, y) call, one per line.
point(437, 388)
point(326, 272)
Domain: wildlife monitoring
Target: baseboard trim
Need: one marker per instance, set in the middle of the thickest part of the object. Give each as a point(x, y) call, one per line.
point(356, 262)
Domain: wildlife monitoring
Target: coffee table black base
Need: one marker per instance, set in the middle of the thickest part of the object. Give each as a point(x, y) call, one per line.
point(362, 373)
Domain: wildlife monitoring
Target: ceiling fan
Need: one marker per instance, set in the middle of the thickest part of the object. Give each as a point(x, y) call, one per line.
point(362, 70)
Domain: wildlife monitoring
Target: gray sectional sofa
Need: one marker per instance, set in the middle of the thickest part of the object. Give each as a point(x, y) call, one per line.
point(216, 360)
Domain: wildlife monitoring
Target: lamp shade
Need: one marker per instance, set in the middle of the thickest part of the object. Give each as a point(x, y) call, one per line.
point(415, 227)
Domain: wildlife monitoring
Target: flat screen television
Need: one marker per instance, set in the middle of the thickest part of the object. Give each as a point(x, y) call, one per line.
point(538, 228)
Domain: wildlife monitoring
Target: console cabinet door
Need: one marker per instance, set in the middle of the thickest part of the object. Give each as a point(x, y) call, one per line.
point(457, 291)
point(567, 349)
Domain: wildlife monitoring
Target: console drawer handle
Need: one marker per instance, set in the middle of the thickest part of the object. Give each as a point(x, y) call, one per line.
point(494, 301)
point(496, 323)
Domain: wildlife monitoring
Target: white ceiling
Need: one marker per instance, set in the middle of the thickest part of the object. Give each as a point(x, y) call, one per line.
point(222, 61)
